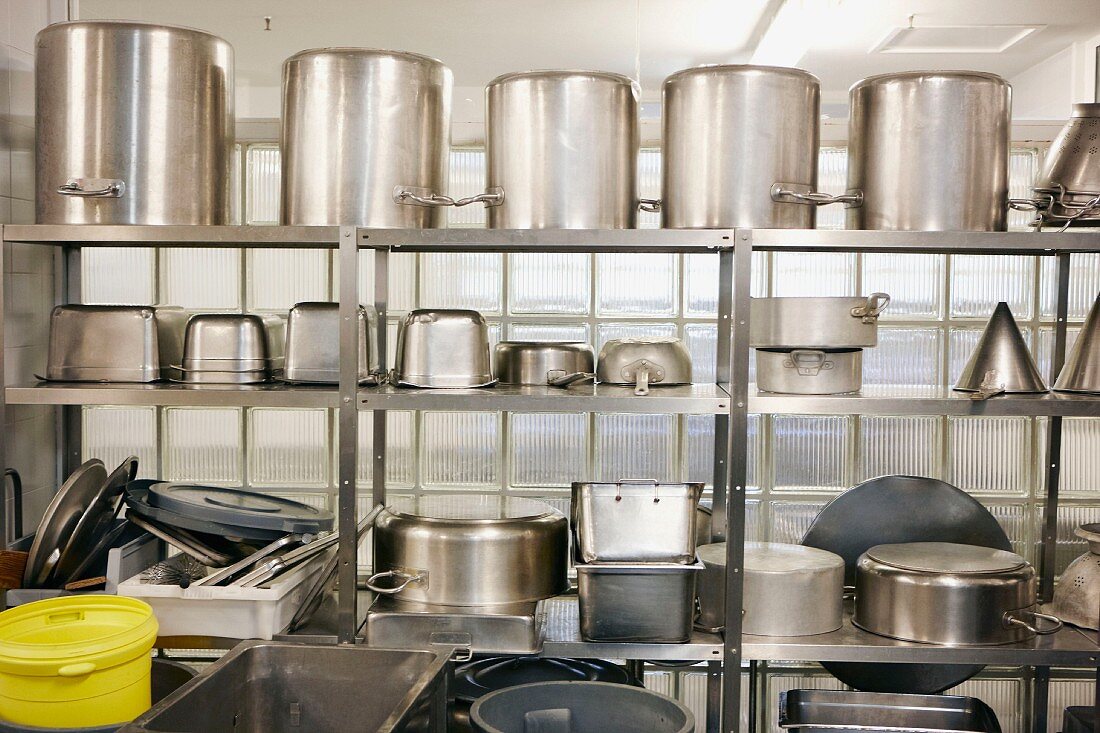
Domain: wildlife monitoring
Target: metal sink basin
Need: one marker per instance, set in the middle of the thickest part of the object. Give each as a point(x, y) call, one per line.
point(269, 687)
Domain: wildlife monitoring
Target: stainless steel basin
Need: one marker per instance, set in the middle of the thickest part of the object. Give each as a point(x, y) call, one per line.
point(268, 687)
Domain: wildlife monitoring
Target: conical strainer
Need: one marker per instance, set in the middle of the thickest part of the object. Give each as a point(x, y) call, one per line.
point(1001, 362)
point(1082, 370)
point(1077, 595)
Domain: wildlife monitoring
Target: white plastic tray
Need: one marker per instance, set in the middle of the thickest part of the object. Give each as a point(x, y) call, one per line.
point(229, 612)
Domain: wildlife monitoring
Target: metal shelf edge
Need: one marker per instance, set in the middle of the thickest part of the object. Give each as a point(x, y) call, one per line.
point(171, 395)
point(948, 403)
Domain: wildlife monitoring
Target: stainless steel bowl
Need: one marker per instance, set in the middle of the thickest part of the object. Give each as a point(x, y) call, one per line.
point(644, 362)
point(443, 348)
point(313, 344)
point(530, 362)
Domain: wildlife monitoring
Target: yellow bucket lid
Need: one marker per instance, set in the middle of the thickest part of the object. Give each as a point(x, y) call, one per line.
point(74, 635)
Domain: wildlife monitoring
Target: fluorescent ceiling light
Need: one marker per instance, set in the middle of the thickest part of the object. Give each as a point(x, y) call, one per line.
point(791, 32)
point(954, 38)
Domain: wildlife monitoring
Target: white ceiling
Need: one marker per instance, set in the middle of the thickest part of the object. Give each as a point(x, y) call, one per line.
point(480, 39)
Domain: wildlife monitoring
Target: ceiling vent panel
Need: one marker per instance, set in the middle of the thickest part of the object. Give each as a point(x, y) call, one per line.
point(954, 39)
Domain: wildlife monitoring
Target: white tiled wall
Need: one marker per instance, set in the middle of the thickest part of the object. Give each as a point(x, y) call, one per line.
point(28, 269)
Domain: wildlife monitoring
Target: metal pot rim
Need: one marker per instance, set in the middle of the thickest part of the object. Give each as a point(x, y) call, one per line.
point(741, 69)
point(565, 74)
point(361, 52)
point(945, 74)
point(139, 24)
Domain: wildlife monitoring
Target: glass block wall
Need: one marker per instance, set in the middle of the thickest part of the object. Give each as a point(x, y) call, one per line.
point(797, 463)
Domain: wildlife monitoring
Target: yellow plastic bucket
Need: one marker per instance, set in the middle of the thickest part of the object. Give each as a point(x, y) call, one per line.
point(76, 661)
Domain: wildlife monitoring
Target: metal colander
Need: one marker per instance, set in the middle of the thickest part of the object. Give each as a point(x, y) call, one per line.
point(1068, 189)
point(1077, 595)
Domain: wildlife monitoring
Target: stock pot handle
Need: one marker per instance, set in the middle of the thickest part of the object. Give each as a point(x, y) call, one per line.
point(652, 206)
point(392, 590)
point(415, 196)
point(104, 188)
point(560, 378)
point(873, 308)
point(1056, 623)
point(784, 193)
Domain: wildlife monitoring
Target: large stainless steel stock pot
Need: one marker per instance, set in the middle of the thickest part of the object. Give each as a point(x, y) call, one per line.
point(359, 127)
point(449, 550)
point(134, 124)
point(562, 150)
point(928, 150)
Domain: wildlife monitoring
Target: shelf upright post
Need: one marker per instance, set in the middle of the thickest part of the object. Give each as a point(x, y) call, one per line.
point(5, 537)
point(69, 423)
point(348, 421)
point(737, 450)
point(1054, 469)
point(379, 437)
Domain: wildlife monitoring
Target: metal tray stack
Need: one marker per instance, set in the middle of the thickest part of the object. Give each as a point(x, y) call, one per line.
point(634, 546)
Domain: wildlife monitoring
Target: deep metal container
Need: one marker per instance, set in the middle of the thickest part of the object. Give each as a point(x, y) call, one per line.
point(789, 590)
point(444, 348)
point(134, 124)
point(635, 520)
point(730, 134)
point(114, 343)
point(929, 151)
point(816, 323)
point(818, 711)
point(809, 371)
point(946, 593)
point(313, 344)
point(471, 551)
point(563, 146)
point(286, 688)
point(358, 123)
point(637, 602)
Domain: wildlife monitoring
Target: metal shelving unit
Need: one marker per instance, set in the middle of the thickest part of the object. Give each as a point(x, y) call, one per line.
point(730, 399)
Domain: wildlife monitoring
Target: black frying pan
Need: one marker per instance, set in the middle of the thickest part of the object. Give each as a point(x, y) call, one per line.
point(891, 510)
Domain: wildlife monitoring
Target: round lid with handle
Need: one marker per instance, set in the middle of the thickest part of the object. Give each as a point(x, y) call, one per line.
point(236, 507)
point(946, 557)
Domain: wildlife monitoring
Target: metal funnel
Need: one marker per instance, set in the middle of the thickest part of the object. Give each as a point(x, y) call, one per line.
point(1082, 370)
point(1001, 362)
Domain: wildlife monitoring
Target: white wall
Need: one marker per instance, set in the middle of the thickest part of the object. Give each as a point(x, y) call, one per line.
point(1047, 90)
point(28, 269)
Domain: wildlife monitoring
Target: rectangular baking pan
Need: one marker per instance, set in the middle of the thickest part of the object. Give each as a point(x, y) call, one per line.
point(817, 711)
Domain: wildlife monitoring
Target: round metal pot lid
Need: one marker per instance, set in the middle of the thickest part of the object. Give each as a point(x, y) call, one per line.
point(777, 557)
point(946, 557)
point(68, 505)
point(463, 507)
point(479, 678)
point(236, 507)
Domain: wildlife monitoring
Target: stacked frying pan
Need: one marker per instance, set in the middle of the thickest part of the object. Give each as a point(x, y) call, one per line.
point(217, 525)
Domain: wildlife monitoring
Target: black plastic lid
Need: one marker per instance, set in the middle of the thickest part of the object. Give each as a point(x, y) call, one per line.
point(237, 507)
point(477, 679)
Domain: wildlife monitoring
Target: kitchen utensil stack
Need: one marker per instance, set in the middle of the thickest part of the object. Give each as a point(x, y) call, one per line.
point(634, 547)
point(813, 346)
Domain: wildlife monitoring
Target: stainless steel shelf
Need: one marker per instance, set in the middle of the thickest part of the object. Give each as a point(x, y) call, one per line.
point(1067, 648)
point(541, 240)
point(886, 401)
point(563, 639)
point(100, 235)
point(1084, 239)
point(172, 395)
point(688, 399)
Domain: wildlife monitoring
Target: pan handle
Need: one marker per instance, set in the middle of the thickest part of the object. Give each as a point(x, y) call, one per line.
point(1055, 622)
point(641, 384)
point(652, 206)
point(406, 581)
point(873, 308)
point(991, 386)
point(785, 193)
point(415, 196)
point(103, 188)
point(561, 378)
